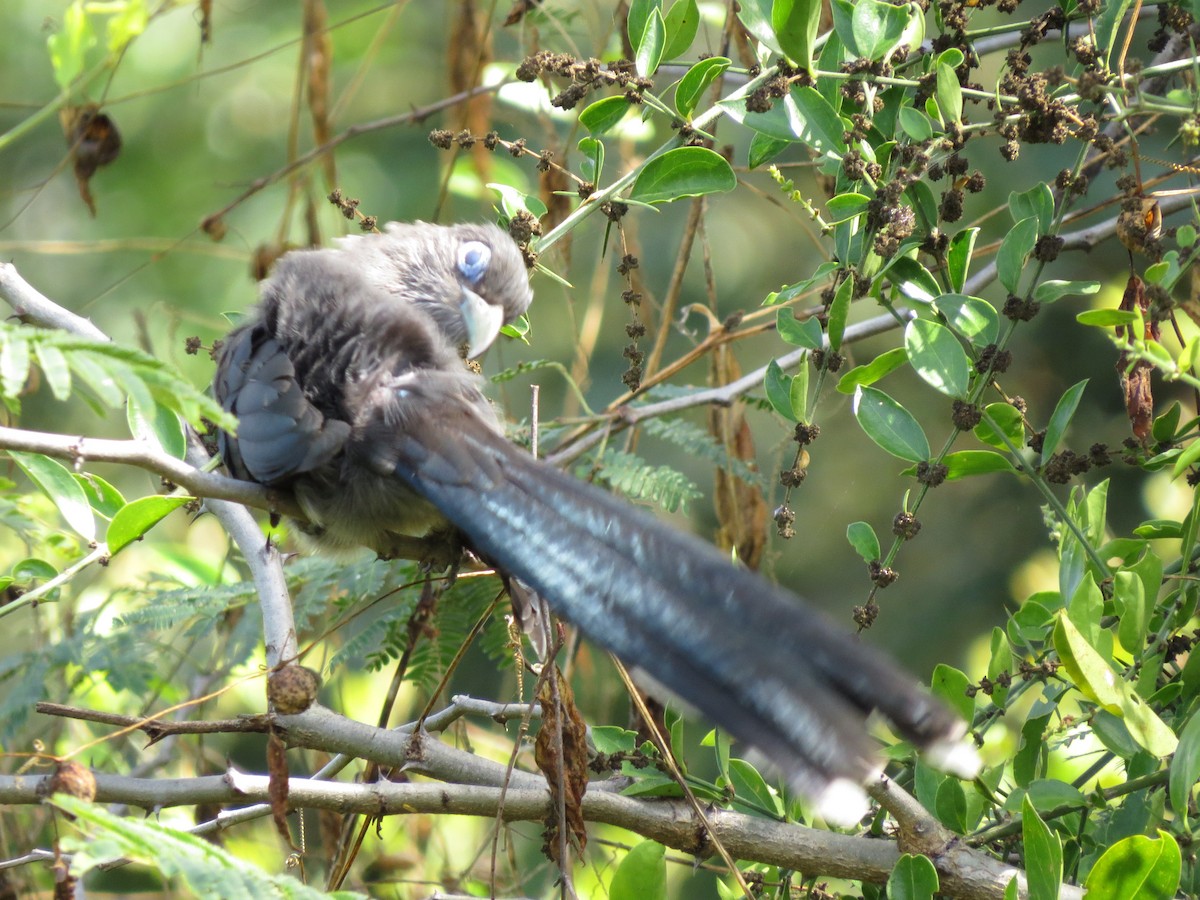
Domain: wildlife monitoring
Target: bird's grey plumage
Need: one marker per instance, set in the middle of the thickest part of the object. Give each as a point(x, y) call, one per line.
point(349, 389)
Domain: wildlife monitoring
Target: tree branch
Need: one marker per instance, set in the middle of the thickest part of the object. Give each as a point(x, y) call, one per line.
point(279, 629)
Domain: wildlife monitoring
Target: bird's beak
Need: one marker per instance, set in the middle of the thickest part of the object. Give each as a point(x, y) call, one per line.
point(482, 320)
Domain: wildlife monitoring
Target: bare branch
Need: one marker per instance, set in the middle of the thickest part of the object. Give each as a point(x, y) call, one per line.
point(80, 450)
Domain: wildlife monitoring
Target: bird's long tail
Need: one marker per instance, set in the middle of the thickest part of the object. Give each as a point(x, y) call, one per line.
point(744, 652)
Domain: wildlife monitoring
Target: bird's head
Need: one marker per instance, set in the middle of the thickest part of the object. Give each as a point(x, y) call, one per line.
point(470, 279)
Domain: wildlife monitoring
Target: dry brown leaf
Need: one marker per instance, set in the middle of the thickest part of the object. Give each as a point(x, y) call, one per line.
point(94, 141)
point(741, 508)
point(277, 785)
point(468, 53)
point(519, 10)
point(205, 8)
point(1135, 380)
point(318, 66)
point(570, 781)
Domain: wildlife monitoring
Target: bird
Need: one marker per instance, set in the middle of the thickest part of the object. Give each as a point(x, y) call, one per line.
point(349, 385)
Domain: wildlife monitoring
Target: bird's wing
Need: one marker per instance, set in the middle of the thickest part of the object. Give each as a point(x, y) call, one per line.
point(744, 652)
point(280, 433)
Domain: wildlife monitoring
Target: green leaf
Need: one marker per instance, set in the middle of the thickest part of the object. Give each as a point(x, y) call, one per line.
point(1107, 318)
point(890, 425)
point(912, 279)
point(683, 172)
point(958, 257)
point(952, 57)
point(1132, 608)
point(642, 874)
point(97, 379)
point(592, 163)
point(1112, 733)
point(748, 784)
point(912, 878)
point(1049, 291)
point(823, 271)
point(514, 201)
point(56, 482)
point(1089, 671)
point(924, 204)
point(950, 806)
point(1031, 757)
point(1185, 766)
point(1190, 454)
point(806, 333)
point(951, 685)
point(1043, 855)
point(136, 518)
point(846, 206)
point(799, 393)
point(882, 365)
point(949, 93)
point(822, 129)
point(839, 312)
point(14, 364)
point(1085, 609)
point(1038, 202)
point(695, 82)
point(1094, 678)
point(1047, 794)
point(102, 496)
point(639, 16)
point(862, 538)
point(682, 21)
point(1000, 662)
point(125, 24)
point(1014, 250)
point(763, 147)
point(877, 28)
point(27, 571)
point(915, 124)
point(612, 739)
point(56, 369)
point(69, 45)
point(795, 23)
point(648, 50)
point(756, 16)
point(803, 115)
point(965, 463)
point(1008, 419)
point(1137, 867)
point(1145, 726)
point(973, 318)
point(161, 428)
point(1064, 411)
point(604, 114)
point(938, 357)
point(1159, 529)
point(778, 385)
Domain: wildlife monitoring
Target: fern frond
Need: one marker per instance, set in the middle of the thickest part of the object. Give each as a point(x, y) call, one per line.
point(638, 480)
point(698, 442)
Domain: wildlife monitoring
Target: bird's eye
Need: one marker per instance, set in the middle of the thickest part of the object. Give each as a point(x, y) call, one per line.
point(473, 259)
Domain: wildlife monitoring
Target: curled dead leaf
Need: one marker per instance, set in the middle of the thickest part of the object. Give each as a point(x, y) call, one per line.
point(94, 141)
